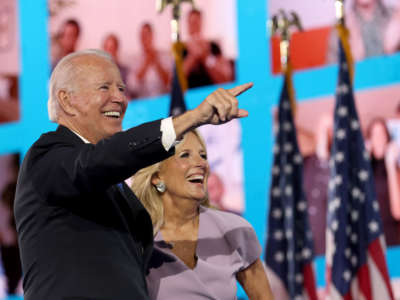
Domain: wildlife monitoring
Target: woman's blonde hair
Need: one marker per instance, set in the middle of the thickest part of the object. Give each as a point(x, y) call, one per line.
point(148, 194)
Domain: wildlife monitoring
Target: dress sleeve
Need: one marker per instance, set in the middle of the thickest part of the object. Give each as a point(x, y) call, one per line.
point(240, 237)
point(248, 245)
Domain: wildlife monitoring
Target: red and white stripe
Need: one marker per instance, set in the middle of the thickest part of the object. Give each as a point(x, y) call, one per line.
point(279, 290)
point(372, 281)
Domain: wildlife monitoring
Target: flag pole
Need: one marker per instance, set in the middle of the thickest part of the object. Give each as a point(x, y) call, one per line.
point(343, 33)
point(281, 24)
point(289, 246)
point(177, 45)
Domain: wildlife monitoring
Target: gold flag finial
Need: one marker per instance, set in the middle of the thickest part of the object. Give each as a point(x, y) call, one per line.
point(339, 7)
point(281, 24)
point(176, 14)
point(344, 35)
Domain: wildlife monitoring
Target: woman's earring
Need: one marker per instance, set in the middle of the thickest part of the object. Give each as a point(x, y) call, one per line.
point(161, 187)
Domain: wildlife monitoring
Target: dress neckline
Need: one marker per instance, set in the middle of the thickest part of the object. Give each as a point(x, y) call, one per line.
point(158, 239)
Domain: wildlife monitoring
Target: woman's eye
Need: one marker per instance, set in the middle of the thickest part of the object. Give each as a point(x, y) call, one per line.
point(184, 154)
point(204, 156)
point(121, 89)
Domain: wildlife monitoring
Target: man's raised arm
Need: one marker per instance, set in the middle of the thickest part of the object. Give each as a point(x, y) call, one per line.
point(219, 107)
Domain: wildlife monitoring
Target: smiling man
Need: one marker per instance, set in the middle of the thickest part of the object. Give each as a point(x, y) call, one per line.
point(82, 233)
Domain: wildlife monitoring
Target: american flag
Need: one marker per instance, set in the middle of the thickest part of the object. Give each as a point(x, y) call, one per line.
point(355, 252)
point(177, 104)
point(289, 249)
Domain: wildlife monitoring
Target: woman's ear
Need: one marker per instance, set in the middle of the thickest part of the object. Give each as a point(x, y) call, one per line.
point(64, 100)
point(155, 178)
point(158, 183)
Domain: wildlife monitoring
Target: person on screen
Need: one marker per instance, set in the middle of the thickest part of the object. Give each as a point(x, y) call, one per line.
point(8, 235)
point(9, 100)
point(8, 240)
point(199, 252)
point(373, 30)
point(316, 174)
point(67, 40)
point(393, 125)
point(215, 190)
point(150, 72)
point(222, 68)
point(82, 233)
point(384, 154)
point(204, 63)
point(111, 46)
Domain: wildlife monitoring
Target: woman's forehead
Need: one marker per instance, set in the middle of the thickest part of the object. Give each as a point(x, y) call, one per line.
point(190, 139)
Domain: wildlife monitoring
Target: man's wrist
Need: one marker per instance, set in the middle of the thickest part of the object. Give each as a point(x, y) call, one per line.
point(185, 122)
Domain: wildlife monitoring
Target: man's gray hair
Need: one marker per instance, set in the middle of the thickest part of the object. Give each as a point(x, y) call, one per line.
point(63, 75)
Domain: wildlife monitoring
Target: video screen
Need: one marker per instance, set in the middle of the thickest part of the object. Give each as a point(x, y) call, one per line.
point(139, 40)
point(9, 62)
point(10, 264)
point(373, 26)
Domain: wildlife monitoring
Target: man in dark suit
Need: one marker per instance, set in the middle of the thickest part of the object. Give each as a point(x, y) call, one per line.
point(82, 233)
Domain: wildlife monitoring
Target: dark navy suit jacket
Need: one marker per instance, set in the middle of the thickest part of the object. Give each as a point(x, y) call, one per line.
point(82, 235)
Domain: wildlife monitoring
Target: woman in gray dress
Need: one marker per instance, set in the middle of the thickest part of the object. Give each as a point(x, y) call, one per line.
point(199, 252)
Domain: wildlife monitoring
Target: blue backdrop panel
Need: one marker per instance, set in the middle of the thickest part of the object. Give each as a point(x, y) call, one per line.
point(253, 64)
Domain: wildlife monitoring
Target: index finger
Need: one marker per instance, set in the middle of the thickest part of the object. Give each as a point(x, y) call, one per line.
point(237, 90)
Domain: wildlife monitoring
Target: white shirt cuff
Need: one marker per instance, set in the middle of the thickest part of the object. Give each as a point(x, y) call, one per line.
point(168, 137)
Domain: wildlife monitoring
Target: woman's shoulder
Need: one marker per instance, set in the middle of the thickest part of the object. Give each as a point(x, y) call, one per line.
point(236, 233)
point(224, 219)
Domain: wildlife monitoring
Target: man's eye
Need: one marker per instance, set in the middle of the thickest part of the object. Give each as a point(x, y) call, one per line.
point(122, 89)
point(104, 87)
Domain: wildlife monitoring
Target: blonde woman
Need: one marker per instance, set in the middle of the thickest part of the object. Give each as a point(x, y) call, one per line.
point(199, 252)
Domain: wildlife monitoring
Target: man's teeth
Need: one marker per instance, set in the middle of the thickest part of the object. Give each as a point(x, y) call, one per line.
point(114, 114)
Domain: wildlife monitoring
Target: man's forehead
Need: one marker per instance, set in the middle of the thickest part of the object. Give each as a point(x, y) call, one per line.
point(90, 61)
point(98, 67)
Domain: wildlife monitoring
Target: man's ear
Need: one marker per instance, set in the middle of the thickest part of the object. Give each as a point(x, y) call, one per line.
point(64, 99)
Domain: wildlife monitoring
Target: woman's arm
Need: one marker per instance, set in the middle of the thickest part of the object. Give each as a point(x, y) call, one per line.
point(391, 38)
point(254, 281)
point(391, 157)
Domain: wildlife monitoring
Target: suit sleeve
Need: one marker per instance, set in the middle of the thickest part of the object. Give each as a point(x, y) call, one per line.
point(64, 170)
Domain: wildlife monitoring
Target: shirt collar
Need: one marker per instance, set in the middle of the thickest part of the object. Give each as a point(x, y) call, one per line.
point(81, 137)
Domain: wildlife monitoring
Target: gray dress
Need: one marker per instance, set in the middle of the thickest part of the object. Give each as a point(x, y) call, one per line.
point(226, 245)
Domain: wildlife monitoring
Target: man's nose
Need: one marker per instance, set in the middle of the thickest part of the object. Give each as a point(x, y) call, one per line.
point(118, 95)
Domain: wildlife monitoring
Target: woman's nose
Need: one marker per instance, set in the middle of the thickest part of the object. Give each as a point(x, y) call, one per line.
point(201, 162)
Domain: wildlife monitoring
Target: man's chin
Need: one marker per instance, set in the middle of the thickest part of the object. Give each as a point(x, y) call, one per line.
point(115, 130)
point(109, 133)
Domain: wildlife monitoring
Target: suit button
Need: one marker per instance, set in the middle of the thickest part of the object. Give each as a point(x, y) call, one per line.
point(132, 144)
